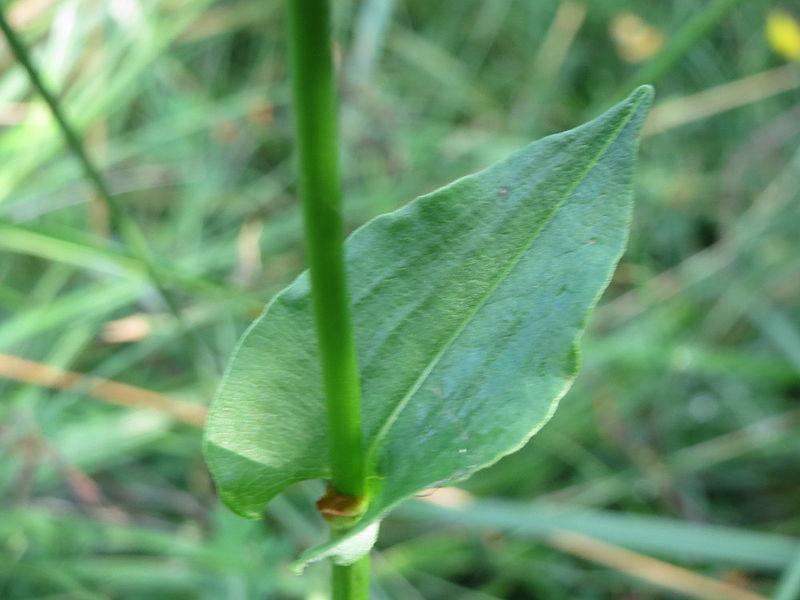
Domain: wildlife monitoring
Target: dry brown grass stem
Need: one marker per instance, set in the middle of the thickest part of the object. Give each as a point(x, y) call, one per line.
point(713, 101)
point(648, 569)
point(20, 369)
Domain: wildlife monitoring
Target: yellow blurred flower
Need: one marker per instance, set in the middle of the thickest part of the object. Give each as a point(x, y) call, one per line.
point(635, 39)
point(783, 34)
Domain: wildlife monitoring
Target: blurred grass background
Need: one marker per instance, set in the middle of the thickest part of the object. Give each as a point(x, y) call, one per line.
point(672, 469)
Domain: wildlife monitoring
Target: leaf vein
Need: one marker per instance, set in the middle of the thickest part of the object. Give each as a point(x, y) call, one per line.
point(420, 381)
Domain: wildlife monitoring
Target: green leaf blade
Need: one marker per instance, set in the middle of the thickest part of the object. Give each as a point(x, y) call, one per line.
point(266, 429)
point(521, 297)
point(468, 305)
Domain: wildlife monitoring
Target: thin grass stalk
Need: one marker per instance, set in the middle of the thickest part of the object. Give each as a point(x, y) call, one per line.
point(129, 231)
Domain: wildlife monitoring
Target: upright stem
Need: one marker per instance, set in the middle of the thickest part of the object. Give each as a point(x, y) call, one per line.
point(352, 583)
point(320, 189)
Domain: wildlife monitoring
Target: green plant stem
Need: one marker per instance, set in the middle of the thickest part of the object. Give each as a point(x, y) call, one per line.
point(352, 583)
point(314, 89)
point(121, 221)
point(320, 189)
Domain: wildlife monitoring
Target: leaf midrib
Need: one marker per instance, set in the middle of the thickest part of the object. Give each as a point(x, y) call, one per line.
point(419, 382)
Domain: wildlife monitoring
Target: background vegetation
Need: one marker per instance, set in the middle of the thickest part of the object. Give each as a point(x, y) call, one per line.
point(679, 440)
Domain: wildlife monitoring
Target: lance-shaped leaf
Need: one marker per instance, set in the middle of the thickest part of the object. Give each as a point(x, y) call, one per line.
point(468, 304)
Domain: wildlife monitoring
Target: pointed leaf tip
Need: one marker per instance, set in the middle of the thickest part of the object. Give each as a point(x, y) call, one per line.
point(642, 97)
point(644, 92)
